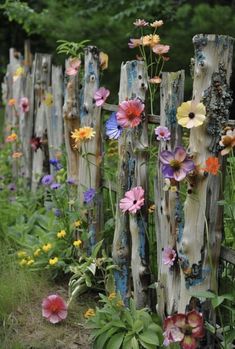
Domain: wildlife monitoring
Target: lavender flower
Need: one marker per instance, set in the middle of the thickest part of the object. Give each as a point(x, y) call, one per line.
point(11, 187)
point(113, 130)
point(176, 164)
point(55, 186)
point(57, 212)
point(47, 179)
point(71, 181)
point(89, 195)
point(56, 164)
point(162, 133)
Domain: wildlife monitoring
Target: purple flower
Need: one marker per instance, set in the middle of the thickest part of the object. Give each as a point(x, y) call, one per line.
point(47, 179)
point(57, 212)
point(176, 164)
point(89, 195)
point(11, 187)
point(100, 96)
point(55, 186)
point(168, 256)
point(113, 130)
point(71, 181)
point(162, 133)
point(56, 164)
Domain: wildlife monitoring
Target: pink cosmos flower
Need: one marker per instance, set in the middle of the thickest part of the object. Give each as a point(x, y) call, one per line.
point(54, 308)
point(161, 49)
point(228, 142)
point(140, 23)
point(100, 96)
point(168, 256)
point(135, 43)
point(74, 65)
point(129, 113)
point(24, 104)
point(184, 328)
point(162, 133)
point(133, 200)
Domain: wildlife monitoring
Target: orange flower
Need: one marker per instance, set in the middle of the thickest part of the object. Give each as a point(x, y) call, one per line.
point(17, 154)
point(212, 165)
point(11, 138)
point(11, 102)
point(155, 80)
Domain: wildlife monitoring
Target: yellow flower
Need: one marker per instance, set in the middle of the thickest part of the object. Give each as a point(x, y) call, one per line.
point(11, 138)
point(30, 261)
point(77, 243)
point(17, 155)
point(61, 234)
point(19, 71)
point(90, 312)
point(53, 261)
point(48, 99)
point(112, 296)
point(37, 252)
point(47, 247)
point(82, 134)
point(104, 60)
point(21, 254)
point(190, 114)
point(120, 304)
point(11, 102)
point(77, 224)
point(157, 24)
point(23, 261)
point(150, 40)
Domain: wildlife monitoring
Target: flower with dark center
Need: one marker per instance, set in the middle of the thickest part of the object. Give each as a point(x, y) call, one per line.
point(190, 114)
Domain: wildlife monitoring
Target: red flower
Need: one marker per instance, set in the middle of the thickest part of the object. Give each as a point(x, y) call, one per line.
point(36, 143)
point(212, 165)
point(129, 113)
point(54, 308)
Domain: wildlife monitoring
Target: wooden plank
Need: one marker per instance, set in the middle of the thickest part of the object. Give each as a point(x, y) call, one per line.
point(227, 254)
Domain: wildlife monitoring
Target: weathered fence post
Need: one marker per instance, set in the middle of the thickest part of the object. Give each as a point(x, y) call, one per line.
point(90, 158)
point(199, 245)
point(133, 156)
point(41, 80)
point(167, 215)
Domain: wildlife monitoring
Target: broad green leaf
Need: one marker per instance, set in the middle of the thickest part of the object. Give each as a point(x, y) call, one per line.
point(146, 345)
point(102, 339)
point(134, 344)
point(217, 301)
point(116, 341)
point(138, 326)
point(149, 337)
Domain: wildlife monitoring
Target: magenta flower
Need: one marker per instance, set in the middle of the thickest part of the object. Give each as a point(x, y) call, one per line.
point(140, 23)
point(134, 43)
point(24, 104)
point(74, 66)
point(184, 328)
point(176, 164)
point(129, 113)
point(162, 133)
point(54, 308)
point(168, 256)
point(100, 96)
point(133, 200)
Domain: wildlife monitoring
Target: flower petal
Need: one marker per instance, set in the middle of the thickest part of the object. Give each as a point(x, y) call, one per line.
point(180, 154)
point(166, 156)
point(189, 343)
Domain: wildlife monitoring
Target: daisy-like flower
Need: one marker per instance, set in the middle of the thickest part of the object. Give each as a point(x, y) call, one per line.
point(54, 308)
point(212, 165)
point(113, 130)
point(100, 96)
point(21, 254)
point(162, 133)
point(36, 143)
point(53, 261)
point(83, 133)
point(71, 181)
point(74, 65)
point(30, 261)
point(24, 104)
point(47, 180)
point(185, 329)
point(77, 223)
point(150, 40)
point(191, 114)
point(90, 312)
point(133, 200)
point(11, 138)
point(176, 164)
point(77, 243)
point(134, 43)
point(161, 49)
point(57, 212)
point(104, 60)
point(168, 256)
point(61, 234)
point(129, 113)
point(155, 80)
point(157, 24)
point(140, 23)
point(89, 195)
point(112, 295)
point(47, 247)
point(17, 155)
point(55, 186)
point(11, 102)
point(23, 262)
point(37, 252)
point(228, 142)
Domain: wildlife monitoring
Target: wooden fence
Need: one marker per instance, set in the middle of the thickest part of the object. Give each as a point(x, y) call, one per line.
point(193, 229)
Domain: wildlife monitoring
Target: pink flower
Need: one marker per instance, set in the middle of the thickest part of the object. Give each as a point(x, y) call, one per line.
point(228, 142)
point(161, 49)
point(133, 200)
point(74, 65)
point(129, 113)
point(162, 133)
point(100, 96)
point(135, 43)
point(184, 328)
point(140, 23)
point(168, 256)
point(54, 308)
point(24, 104)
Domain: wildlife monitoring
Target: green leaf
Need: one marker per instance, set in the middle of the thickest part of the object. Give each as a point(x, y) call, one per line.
point(146, 345)
point(134, 344)
point(97, 248)
point(203, 294)
point(116, 341)
point(138, 326)
point(217, 301)
point(149, 337)
point(102, 339)
point(230, 336)
point(92, 268)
